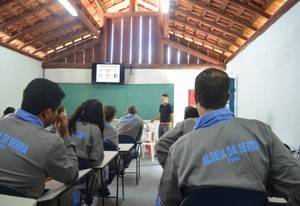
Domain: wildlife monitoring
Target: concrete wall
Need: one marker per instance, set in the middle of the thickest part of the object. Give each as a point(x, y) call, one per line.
point(16, 71)
point(267, 75)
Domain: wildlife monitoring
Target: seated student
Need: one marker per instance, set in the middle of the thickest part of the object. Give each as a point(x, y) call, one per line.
point(132, 125)
point(190, 112)
point(7, 111)
point(29, 153)
point(110, 133)
point(226, 151)
point(172, 135)
point(86, 127)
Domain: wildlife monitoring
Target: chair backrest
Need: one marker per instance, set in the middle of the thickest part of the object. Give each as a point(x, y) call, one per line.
point(83, 164)
point(224, 196)
point(109, 146)
point(126, 139)
point(9, 190)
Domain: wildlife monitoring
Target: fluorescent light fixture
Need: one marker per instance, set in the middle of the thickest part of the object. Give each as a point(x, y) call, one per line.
point(69, 7)
point(165, 6)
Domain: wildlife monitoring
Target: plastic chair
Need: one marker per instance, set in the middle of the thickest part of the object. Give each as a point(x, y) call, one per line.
point(126, 139)
point(224, 196)
point(13, 191)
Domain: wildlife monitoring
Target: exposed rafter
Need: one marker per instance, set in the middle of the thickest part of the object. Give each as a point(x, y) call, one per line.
point(82, 17)
point(191, 52)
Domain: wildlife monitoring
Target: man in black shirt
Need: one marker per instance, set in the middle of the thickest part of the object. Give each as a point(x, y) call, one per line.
point(165, 115)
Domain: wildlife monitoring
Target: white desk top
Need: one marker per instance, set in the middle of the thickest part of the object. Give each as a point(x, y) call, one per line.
point(277, 200)
point(57, 188)
point(16, 201)
point(125, 147)
point(108, 157)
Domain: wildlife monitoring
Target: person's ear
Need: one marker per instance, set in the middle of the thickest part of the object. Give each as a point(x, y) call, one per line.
point(195, 97)
point(46, 113)
point(228, 96)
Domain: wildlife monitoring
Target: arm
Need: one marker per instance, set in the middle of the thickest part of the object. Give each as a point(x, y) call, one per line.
point(141, 128)
point(166, 141)
point(168, 190)
point(97, 152)
point(62, 164)
point(284, 172)
point(155, 118)
point(172, 120)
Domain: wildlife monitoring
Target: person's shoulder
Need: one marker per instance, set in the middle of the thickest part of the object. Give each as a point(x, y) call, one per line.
point(250, 122)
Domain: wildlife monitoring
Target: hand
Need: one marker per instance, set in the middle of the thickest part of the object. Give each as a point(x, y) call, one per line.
point(62, 124)
point(152, 120)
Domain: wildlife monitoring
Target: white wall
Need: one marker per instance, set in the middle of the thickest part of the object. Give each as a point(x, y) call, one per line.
point(267, 76)
point(16, 71)
point(183, 80)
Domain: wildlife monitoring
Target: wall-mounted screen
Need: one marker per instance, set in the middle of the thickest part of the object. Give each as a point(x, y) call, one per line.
point(108, 73)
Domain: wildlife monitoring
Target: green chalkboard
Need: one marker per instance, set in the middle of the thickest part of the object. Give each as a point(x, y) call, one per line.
point(146, 97)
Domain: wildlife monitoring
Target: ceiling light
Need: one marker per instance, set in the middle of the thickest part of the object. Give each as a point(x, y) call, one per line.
point(69, 7)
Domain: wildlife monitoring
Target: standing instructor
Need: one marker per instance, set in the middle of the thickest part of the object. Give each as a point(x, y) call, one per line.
point(165, 115)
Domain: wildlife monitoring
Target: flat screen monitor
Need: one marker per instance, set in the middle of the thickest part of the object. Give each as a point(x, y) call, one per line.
point(108, 73)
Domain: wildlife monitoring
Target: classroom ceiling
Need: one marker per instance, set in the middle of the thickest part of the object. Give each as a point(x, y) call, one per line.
point(220, 27)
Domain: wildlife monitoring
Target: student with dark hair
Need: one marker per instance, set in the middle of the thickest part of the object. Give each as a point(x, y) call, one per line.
point(29, 153)
point(86, 127)
point(8, 110)
point(226, 151)
point(165, 116)
point(190, 112)
point(110, 133)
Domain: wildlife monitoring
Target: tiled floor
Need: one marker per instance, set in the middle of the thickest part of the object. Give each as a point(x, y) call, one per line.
point(143, 194)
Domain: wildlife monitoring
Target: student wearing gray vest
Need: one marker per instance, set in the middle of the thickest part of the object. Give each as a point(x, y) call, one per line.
point(226, 151)
point(131, 124)
point(29, 154)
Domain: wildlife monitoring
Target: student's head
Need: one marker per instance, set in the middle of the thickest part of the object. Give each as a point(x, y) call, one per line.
point(109, 112)
point(131, 109)
point(190, 112)
point(212, 89)
point(8, 110)
point(90, 111)
point(164, 99)
point(42, 98)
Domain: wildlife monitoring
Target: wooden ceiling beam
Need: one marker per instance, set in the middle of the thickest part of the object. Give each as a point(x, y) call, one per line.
point(133, 6)
point(209, 34)
point(74, 51)
point(101, 6)
point(219, 13)
point(84, 19)
point(212, 24)
point(131, 14)
point(250, 8)
point(60, 41)
point(203, 41)
point(191, 51)
point(66, 27)
point(6, 3)
point(148, 5)
point(27, 14)
point(37, 27)
point(47, 65)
